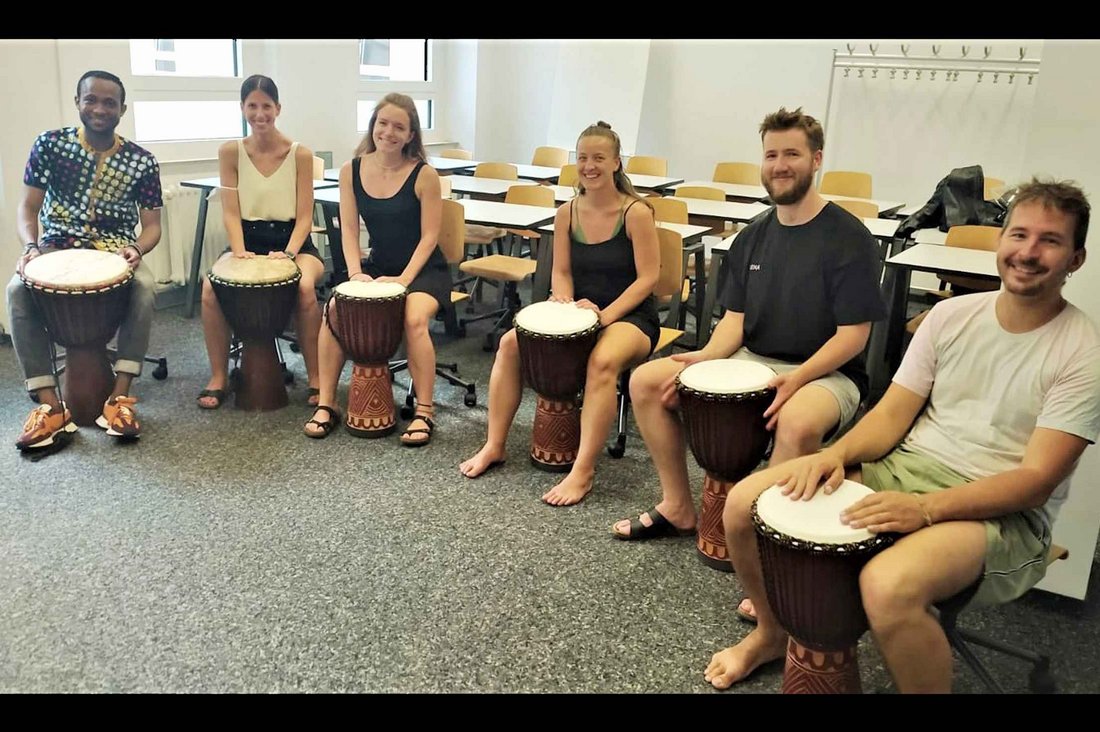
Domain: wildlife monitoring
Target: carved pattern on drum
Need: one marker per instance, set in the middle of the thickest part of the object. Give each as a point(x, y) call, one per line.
point(370, 400)
point(556, 435)
point(820, 672)
point(711, 539)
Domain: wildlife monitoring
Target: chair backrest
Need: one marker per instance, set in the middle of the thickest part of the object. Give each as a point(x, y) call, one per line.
point(711, 194)
point(445, 188)
point(501, 171)
point(456, 153)
point(973, 237)
point(671, 277)
point(318, 168)
point(846, 183)
point(568, 175)
point(530, 196)
point(551, 157)
point(452, 231)
point(860, 209)
point(647, 165)
point(994, 187)
point(746, 173)
point(667, 208)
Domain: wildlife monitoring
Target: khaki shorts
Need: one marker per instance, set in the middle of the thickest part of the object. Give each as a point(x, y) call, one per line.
point(840, 386)
point(1016, 545)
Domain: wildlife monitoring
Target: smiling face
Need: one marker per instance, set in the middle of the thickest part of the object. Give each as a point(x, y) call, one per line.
point(392, 130)
point(260, 110)
point(597, 162)
point(100, 105)
point(1036, 252)
point(788, 168)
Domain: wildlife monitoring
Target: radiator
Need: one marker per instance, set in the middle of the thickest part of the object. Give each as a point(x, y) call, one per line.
point(171, 260)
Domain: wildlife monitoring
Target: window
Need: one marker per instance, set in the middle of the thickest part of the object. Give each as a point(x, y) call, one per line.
point(184, 57)
point(394, 59)
point(365, 107)
point(185, 89)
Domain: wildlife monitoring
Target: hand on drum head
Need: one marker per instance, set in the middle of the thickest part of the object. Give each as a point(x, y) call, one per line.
point(886, 511)
point(398, 280)
point(670, 398)
point(800, 478)
point(361, 277)
point(131, 256)
point(587, 304)
point(277, 255)
point(559, 298)
point(243, 254)
point(22, 261)
point(785, 386)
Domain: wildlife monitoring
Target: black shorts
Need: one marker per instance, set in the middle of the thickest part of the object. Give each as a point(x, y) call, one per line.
point(264, 237)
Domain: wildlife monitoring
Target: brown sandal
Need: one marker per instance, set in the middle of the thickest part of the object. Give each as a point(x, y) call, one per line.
point(326, 427)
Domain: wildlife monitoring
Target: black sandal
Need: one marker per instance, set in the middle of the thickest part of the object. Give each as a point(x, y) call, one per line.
point(219, 394)
point(326, 427)
point(409, 432)
point(660, 527)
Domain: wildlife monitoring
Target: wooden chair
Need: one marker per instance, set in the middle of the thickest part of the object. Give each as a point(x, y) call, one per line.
point(568, 175)
point(967, 237)
point(551, 157)
point(745, 173)
point(452, 242)
point(846, 183)
point(647, 165)
point(500, 171)
point(668, 284)
point(859, 209)
point(710, 194)
point(994, 187)
point(456, 153)
point(667, 208)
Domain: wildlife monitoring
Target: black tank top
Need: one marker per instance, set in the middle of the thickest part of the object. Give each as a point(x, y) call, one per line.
point(602, 271)
point(393, 224)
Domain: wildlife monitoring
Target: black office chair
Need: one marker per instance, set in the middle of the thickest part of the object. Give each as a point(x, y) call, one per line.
point(1040, 679)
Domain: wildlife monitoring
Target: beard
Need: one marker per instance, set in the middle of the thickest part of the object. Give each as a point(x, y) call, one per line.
point(796, 193)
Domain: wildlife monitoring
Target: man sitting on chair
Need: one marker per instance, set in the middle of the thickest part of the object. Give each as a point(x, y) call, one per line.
point(970, 451)
point(801, 292)
point(86, 187)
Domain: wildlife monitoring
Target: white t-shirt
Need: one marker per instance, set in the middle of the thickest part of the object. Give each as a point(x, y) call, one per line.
point(989, 389)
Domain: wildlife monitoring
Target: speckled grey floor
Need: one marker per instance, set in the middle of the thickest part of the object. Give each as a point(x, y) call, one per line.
point(227, 552)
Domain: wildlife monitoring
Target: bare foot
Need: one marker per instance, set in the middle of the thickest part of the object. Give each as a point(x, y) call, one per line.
point(736, 662)
point(573, 488)
point(683, 519)
point(487, 457)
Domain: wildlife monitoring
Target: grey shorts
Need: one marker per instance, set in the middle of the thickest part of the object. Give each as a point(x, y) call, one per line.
point(840, 386)
point(1016, 545)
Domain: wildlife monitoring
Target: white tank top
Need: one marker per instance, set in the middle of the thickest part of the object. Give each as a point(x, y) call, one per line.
point(272, 198)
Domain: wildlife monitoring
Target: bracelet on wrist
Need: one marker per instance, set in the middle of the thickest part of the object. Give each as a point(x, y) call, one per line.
point(289, 253)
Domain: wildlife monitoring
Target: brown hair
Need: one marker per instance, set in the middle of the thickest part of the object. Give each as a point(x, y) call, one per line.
point(1065, 196)
point(783, 120)
point(414, 149)
point(622, 183)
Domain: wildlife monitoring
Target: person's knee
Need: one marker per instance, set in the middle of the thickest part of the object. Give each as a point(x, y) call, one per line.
point(799, 431)
point(887, 593)
point(737, 514)
point(17, 293)
point(603, 366)
point(646, 380)
point(208, 296)
point(416, 324)
point(508, 347)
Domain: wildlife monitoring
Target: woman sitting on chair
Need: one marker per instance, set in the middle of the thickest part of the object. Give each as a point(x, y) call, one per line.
point(606, 259)
point(267, 206)
point(390, 185)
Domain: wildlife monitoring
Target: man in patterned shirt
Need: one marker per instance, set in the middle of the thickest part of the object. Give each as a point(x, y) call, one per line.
point(86, 187)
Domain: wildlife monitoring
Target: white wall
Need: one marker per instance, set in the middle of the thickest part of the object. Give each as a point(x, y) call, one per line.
point(1062, 142)
point(515, 85)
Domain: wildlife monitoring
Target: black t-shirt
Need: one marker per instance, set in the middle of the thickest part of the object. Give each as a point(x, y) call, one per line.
point(796, 284)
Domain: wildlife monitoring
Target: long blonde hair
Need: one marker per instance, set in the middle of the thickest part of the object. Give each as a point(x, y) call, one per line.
point(414, 148)
point(622, 183)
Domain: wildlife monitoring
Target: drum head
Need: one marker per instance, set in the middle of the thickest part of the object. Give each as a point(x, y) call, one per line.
point(556, 318)
point(76, 270)
point(726, 376)
point(372, 290)
point(259, 270)
point(816, 520)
